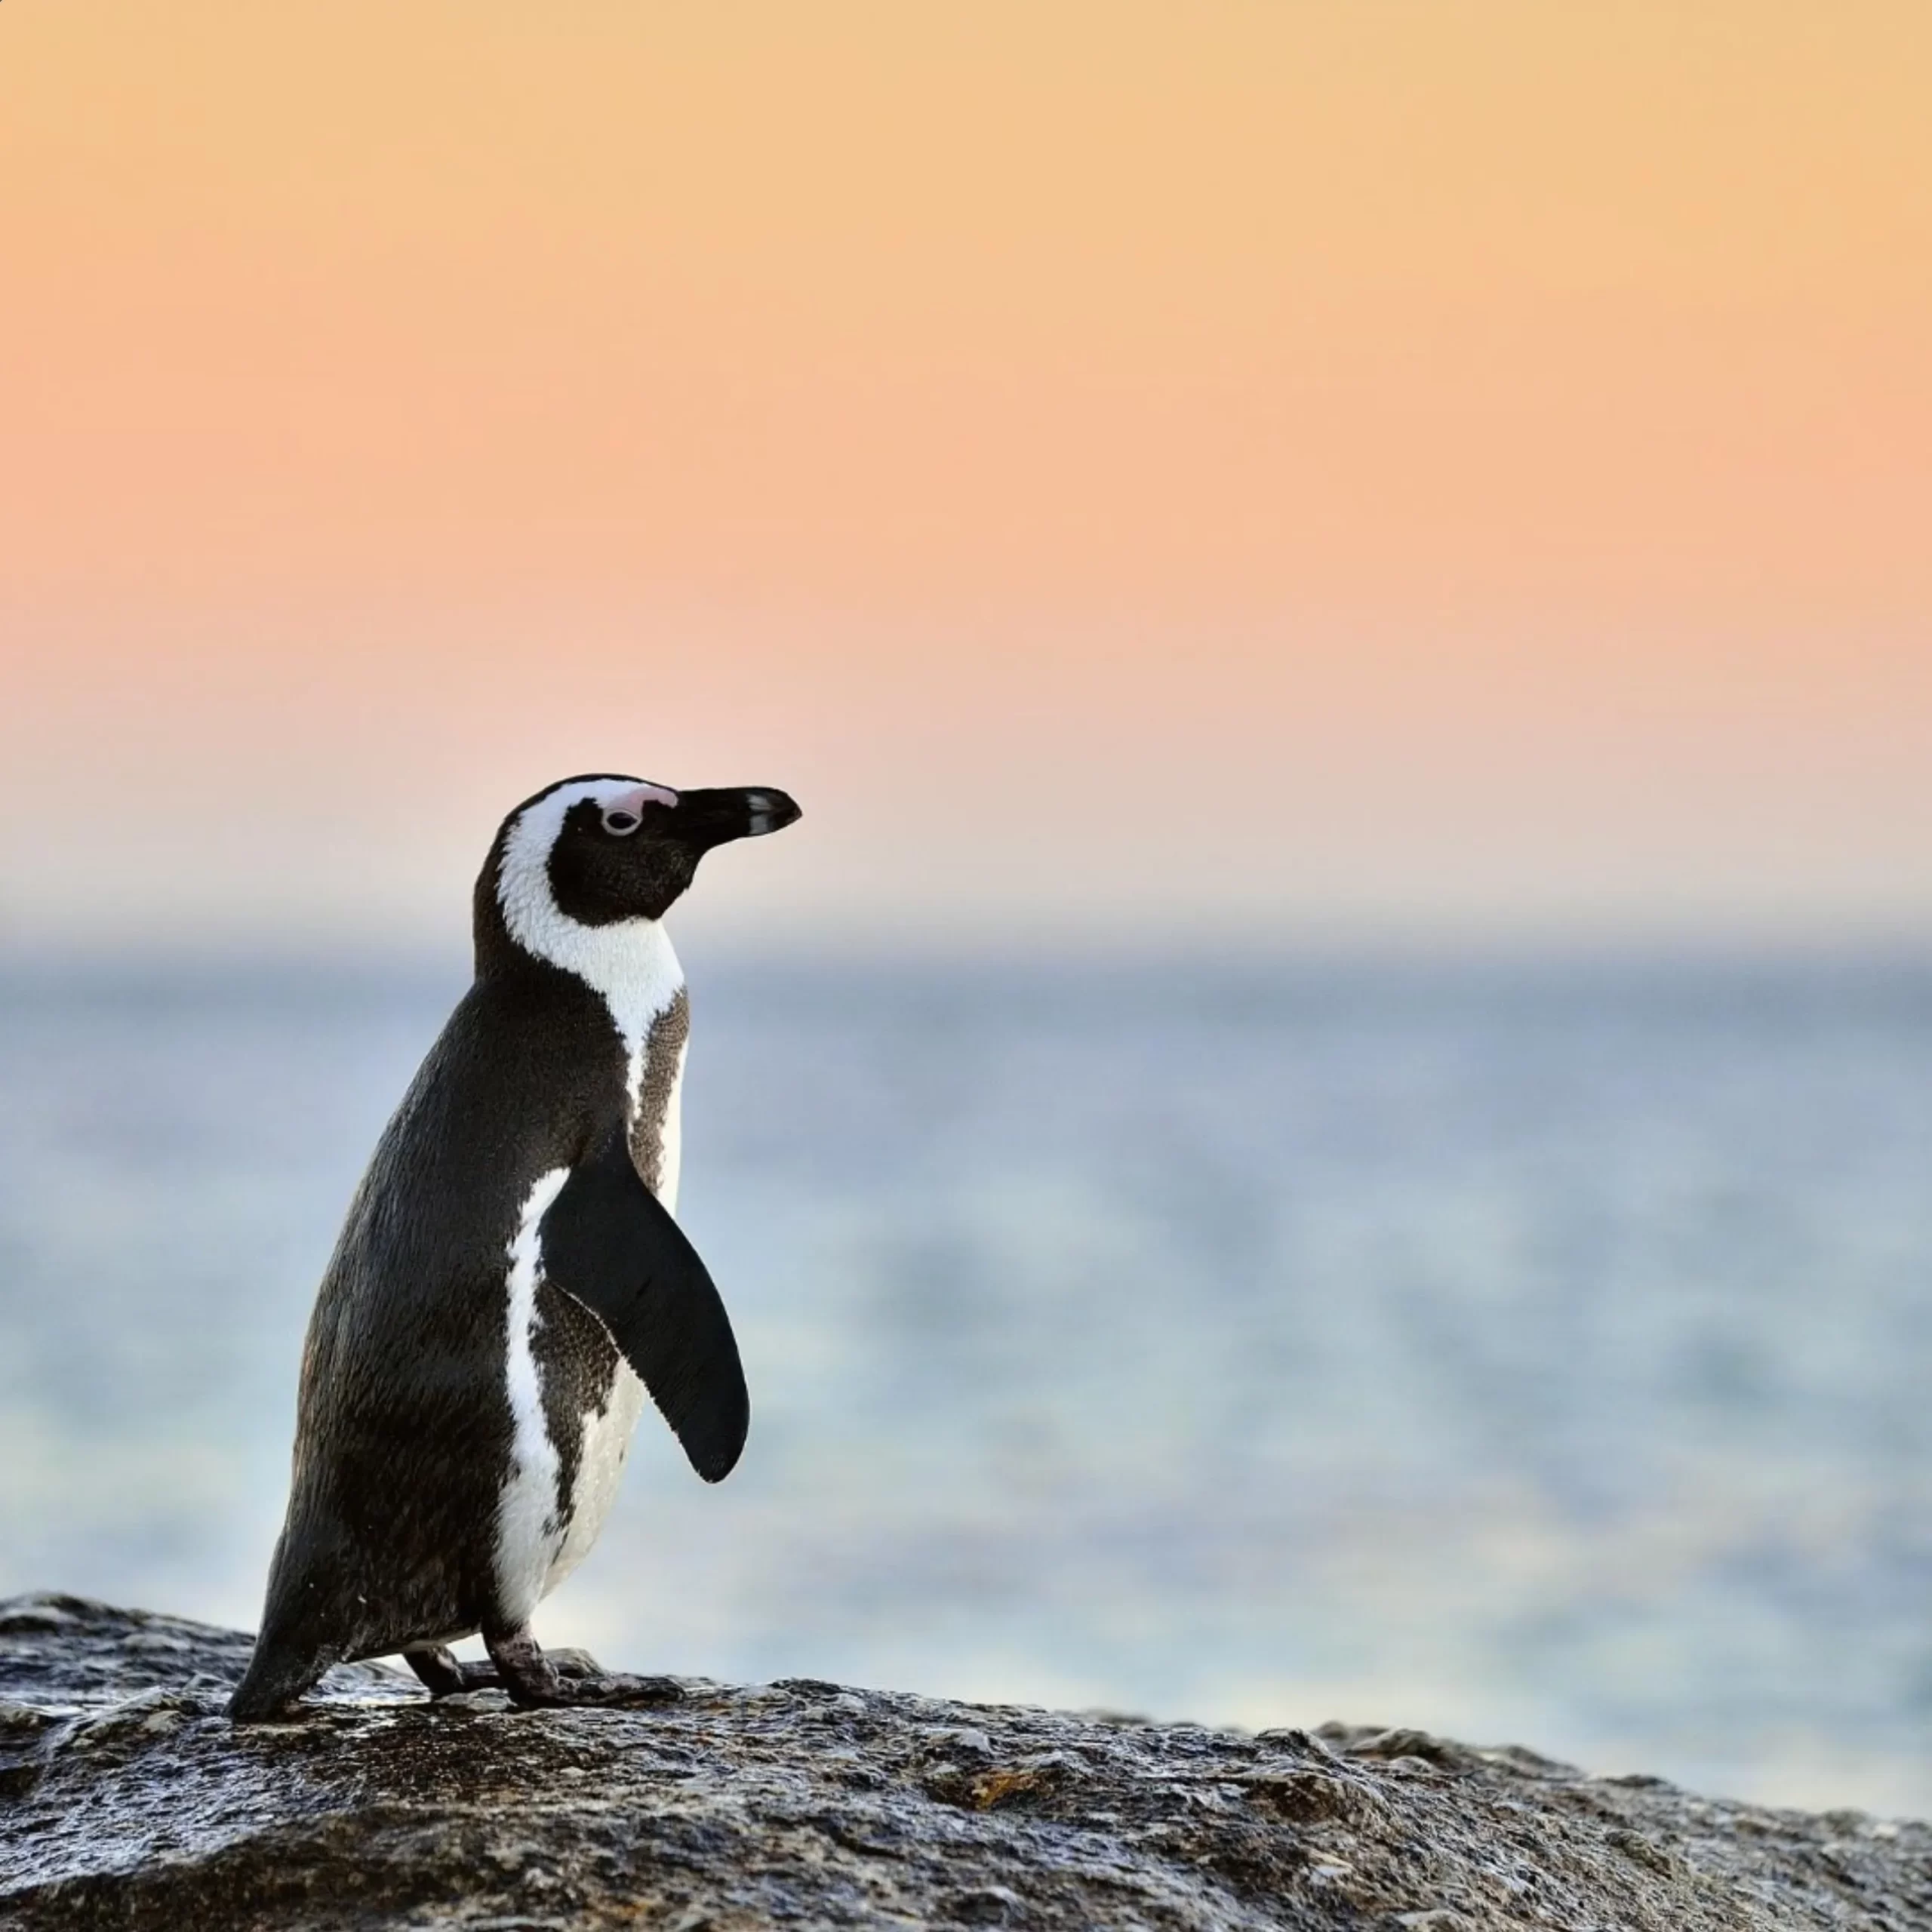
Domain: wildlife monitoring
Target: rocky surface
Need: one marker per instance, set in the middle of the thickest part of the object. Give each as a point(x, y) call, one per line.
point(126, 1800)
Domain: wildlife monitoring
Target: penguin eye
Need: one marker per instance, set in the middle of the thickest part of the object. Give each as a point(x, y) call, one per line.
point(621, 824)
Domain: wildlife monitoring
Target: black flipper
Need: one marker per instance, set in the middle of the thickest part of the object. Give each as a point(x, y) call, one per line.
point(610, 1241)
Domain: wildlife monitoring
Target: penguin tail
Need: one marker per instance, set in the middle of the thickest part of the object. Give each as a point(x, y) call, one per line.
point(300, 1634)
point(277, 1674)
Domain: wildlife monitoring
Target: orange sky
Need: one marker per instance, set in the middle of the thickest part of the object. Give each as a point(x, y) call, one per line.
point(1324, 468)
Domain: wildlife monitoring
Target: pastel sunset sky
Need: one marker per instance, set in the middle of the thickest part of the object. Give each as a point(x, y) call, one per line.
point(1318, 470)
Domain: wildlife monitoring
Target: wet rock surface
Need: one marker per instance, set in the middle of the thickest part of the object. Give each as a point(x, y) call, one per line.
point(126, 1800)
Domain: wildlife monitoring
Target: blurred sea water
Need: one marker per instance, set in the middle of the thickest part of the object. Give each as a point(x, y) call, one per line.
point(1530, 1351)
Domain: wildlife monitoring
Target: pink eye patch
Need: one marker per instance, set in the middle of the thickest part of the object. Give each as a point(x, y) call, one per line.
point(625, 812)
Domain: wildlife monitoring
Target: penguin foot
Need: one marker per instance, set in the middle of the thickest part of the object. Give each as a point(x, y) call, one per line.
point(537, 1682)
point(614, 1690)
point(444, 1674)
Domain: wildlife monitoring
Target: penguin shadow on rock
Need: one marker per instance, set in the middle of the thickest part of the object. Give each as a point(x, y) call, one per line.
point(509, 1281)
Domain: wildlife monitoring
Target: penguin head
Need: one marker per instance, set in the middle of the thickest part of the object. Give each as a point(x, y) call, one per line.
point(590, 853)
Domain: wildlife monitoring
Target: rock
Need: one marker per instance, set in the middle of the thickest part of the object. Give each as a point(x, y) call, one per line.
point(128, 1800)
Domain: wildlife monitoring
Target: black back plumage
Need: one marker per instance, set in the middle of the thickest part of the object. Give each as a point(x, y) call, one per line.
point(409, 1335)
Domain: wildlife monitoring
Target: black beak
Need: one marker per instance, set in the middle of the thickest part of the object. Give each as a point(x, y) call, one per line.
point(705, 819)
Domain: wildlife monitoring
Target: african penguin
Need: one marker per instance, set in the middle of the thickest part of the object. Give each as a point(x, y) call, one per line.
point(509, 1283)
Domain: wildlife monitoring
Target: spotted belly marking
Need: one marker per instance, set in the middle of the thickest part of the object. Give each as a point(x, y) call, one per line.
point(655, 1125)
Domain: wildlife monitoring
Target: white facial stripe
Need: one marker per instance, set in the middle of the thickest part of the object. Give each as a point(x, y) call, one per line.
point(523, 885)
point(629, 963)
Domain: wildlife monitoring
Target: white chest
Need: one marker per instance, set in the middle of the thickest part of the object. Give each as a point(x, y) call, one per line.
point(608, 1431)
point(541, 1535)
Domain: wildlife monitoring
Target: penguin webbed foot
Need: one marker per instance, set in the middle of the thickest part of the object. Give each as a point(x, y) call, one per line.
point(613, 1690)
point(536, 1681)
point(444, 1674)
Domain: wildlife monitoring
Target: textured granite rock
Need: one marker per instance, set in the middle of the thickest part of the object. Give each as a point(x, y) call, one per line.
point(126, 1800)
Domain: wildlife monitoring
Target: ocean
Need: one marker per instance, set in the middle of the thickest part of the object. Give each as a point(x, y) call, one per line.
point(1535, 1351)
